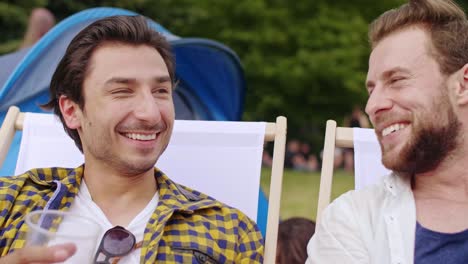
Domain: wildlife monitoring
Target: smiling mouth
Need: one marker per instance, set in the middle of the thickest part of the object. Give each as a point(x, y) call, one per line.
point(393, 128)
point(141, 137)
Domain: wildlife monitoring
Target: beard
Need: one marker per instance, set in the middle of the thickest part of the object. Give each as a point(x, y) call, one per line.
point(432, 141)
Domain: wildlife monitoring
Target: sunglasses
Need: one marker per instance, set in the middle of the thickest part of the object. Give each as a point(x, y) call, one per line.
point(116, 243)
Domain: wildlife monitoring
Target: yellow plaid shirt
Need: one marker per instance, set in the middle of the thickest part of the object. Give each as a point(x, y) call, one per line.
point(186, 227)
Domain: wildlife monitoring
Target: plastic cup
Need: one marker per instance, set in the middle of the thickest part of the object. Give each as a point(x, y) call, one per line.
point(52, 227)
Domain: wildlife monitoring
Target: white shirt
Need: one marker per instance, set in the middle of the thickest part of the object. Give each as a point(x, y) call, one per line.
point(83, 205)
point(373, 225)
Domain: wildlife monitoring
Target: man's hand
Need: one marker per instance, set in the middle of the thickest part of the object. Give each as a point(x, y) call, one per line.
point(57, 253)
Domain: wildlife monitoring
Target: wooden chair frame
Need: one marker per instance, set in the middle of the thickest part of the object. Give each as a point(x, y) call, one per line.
point(334, 137)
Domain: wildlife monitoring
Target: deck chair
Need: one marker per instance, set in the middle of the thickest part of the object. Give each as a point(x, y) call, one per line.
point(368, 168)
point(232, 150)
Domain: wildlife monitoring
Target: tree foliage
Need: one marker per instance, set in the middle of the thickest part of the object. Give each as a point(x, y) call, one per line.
point(306, 60)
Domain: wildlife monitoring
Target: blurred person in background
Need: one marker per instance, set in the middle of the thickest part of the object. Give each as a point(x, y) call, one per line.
point(40, 22)
point(293, 235)
point(293, 148)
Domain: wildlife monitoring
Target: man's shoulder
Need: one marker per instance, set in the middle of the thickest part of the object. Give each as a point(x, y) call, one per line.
point(204, 224)
point(224, 221)
point(20, 179)
point(43, 174)
point(370, 200)
point(202, 206)
point(374, 192)
point(207, 202)
point(32, 179)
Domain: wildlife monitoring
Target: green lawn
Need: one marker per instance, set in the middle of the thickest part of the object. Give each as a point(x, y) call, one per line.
point(300, 190)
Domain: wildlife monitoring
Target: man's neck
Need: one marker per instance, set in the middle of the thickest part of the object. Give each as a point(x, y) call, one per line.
point(441, 196)
point(120, 197)
point(448, 181)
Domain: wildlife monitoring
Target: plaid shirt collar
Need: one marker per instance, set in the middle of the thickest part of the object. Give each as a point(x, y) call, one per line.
point(172, 195)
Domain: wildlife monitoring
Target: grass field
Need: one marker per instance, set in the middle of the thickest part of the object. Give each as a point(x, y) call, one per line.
point(300, 190)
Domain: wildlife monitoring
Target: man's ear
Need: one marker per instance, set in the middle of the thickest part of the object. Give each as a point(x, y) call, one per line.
point(71, 112)
point(462, 85)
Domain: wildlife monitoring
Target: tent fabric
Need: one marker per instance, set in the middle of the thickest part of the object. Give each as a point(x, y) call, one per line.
point(214, 81)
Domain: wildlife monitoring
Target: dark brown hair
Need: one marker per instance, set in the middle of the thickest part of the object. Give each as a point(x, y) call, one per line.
point(293, 236)
point(72, 70)
point(445, 22)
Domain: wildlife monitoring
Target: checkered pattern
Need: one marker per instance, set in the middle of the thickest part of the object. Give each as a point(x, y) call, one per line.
point(186, 227)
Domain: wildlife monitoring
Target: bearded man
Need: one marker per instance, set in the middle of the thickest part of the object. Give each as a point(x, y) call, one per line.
point(418, 103)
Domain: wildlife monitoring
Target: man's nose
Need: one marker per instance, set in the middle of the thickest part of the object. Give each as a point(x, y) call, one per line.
point(147, 109)
point(379, 100)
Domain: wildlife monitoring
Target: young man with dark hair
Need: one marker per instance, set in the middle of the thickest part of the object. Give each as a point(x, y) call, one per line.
point(113, 93)
point(418, 103)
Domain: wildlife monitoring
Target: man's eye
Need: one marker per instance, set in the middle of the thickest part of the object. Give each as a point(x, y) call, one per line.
point(396, 79)
point(121, 91)
point(160, 90)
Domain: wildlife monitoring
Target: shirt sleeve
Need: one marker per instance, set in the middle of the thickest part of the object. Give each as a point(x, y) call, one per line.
point(251, 243)
point(337, 238)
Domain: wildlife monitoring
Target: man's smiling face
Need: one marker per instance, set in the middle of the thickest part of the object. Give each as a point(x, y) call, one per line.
point(409, 104)
point(128, 115)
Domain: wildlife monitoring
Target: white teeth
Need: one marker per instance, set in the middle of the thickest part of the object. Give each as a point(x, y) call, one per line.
point(142, 137)
point(392, 128)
